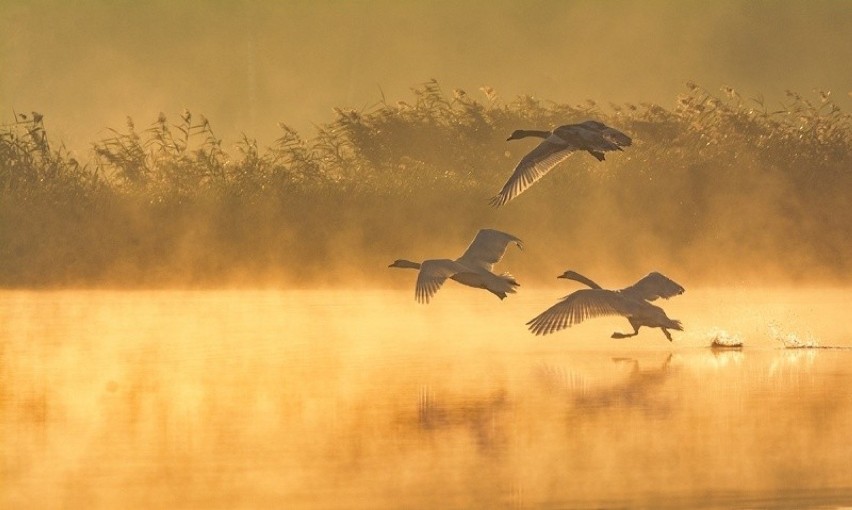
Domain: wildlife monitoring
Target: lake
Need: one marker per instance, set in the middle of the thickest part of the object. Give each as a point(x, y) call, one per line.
point(365, 399)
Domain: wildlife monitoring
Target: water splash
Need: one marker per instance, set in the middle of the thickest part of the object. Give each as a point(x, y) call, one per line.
point(791, 339)
point(721, 338)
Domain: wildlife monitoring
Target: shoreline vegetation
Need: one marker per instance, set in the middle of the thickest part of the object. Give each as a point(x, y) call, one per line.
point(719, 188)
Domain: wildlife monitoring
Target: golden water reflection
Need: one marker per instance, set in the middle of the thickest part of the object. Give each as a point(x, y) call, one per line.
point(332, 399)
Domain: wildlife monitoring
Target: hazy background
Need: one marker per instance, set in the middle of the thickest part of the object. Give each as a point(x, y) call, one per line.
point(313, 386)
point(715, 189)
point(86, 65)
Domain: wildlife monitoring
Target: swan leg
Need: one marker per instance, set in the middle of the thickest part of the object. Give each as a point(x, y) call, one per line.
point(628, 335)
point(668, 335)
point(622, 335)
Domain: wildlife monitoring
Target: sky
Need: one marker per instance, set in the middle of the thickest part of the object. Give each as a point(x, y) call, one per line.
point(248, 65)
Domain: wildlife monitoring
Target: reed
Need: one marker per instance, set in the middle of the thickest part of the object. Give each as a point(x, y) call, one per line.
point(716, 184)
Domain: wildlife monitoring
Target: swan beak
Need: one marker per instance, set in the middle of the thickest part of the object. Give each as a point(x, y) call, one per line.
point(562, 276)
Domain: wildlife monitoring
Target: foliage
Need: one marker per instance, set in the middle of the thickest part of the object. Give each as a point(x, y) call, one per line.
point(715, 183)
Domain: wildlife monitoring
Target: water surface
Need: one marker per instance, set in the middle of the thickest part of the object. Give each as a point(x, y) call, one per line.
point(365, 399)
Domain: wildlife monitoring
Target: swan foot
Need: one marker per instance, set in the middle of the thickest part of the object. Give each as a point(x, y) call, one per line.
point(597, 154)
point(621, 335)
point(668, 335)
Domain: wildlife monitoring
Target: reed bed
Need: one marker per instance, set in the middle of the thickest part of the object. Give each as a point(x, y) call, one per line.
point(715, 185)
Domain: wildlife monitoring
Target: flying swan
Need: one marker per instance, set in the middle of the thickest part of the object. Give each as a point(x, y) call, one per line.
point(473, 268)
point(631, 302)
point(591, 136)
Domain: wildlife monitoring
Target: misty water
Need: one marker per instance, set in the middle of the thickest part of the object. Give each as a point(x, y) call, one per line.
point(365, 399)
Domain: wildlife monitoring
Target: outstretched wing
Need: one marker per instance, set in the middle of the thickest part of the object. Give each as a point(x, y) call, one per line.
point(433, 274)
point(653, 286)
point(532, 167)
point(487, 248)
point(578, 306)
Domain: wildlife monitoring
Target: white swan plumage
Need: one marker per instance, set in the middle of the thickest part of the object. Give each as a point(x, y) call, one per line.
point(474, 268)
point(631, 302)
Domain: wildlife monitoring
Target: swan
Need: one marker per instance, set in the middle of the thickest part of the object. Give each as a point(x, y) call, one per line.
point(631, 302)
point(473, 268)
point(591, 136)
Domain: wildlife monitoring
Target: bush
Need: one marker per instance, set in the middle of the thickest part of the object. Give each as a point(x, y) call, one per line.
point(716, 185)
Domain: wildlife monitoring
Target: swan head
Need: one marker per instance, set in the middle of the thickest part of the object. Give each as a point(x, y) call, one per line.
point(577, 277)
point(407, 264)
point(572, 275)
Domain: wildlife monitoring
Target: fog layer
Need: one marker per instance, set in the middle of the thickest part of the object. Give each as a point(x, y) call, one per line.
point(249, 65)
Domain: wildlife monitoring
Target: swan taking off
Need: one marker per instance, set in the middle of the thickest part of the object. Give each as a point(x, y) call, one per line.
point(473, 268)
point(631, 302)
point(591, 136)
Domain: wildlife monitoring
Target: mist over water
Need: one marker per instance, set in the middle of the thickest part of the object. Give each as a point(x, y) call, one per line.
point(199, 202)
point(332, 399)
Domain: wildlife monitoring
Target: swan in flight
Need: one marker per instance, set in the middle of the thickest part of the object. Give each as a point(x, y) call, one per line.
point(473, 268)
point(591, 136)
point(631, 302)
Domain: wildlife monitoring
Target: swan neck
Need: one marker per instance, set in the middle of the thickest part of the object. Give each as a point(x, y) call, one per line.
point(533, 132)
point(582, 279)
point(409, 264)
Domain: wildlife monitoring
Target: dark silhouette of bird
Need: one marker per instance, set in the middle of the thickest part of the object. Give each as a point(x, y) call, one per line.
point(473, 268)
point(632, 302)
point(591, 136)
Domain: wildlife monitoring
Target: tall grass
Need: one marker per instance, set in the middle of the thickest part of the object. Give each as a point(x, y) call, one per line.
point(716, 187)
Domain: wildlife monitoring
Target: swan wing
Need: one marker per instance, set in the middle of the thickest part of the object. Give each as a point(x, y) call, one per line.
point(579, 306)
point(433, 274)
point(532, 167)
point(487, 248)
point(653, 286)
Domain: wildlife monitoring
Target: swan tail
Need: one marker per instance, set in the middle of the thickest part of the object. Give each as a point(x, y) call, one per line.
point(502, 285)
point(510, 279)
